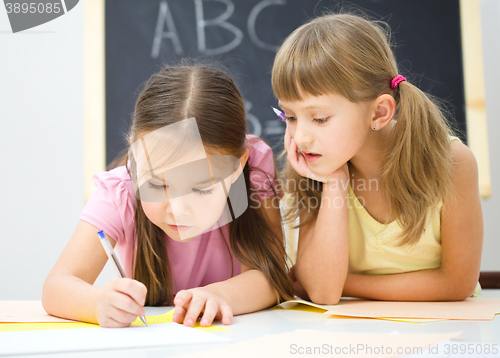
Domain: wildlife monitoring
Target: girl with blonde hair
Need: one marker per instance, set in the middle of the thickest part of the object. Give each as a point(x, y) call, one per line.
point(386, 199)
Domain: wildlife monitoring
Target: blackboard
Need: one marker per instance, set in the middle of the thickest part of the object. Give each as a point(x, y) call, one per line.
point(243, 35)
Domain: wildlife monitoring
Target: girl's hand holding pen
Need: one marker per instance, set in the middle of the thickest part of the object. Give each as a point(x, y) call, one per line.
point(121, 301)
point(190, 304)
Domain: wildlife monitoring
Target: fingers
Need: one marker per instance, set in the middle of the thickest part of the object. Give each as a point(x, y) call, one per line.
point(108, 322)
point(134, 289)
point(117, 318)
point(120, 303)
point(126, 304)
point(196, 306)
point(179, 314)
point(191, 304)
point(297, 160)
point(299, 164)
point(292, 152)
point(211, 310)
point(227, 314)
point(181, 302)
point(183, 297)
point(187, 308)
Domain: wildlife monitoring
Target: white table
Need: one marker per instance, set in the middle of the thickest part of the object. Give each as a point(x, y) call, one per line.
point(271, 321)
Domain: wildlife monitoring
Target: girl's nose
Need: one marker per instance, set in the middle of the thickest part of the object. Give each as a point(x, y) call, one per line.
point(302, 135)
point(179, 208)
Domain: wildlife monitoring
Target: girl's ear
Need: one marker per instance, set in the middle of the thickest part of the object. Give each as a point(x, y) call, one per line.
point(385, 109)
point(243, 162)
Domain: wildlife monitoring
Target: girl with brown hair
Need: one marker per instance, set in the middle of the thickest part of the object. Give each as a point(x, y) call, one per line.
point(386, 198)
point(188, 209)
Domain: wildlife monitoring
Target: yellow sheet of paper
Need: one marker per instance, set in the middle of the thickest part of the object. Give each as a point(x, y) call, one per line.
point(315, 343)
point(26, 311)
point(35, 326)
point(169, 317)
point(303, 308)
point(475, 308)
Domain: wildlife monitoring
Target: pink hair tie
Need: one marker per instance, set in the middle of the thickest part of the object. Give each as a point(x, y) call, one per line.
point(396, 81)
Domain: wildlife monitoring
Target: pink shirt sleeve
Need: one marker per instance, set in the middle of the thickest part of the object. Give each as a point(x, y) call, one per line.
point(262, 169)
point(111, 208)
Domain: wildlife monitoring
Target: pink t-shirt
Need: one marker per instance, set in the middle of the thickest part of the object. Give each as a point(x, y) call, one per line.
point(204, 259)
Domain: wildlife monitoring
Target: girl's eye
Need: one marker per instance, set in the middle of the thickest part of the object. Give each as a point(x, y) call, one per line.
point(157, 187)
point(291, 119)
point(320, 120)
point(203, 192)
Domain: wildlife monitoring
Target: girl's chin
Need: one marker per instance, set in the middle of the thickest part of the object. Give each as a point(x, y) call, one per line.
point(183, 239)
point(182, 236)
point(179, 236)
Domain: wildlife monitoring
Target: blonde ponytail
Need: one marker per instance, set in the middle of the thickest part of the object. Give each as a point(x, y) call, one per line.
point(416, 171)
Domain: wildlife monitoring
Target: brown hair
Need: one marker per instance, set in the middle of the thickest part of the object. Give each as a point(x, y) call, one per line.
point(211, 97)
point(349, 55)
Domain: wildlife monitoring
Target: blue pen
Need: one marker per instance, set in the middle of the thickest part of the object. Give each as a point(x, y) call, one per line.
point(280, 114)
point(114, 259)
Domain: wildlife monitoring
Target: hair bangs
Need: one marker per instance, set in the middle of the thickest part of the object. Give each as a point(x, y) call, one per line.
point(304, 65)
point(283, 77)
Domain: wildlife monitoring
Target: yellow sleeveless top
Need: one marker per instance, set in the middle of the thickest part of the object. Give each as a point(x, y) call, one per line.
point(372, 248)
point(372, 245)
